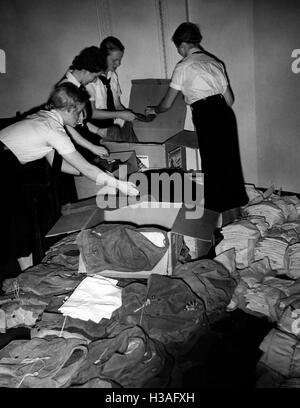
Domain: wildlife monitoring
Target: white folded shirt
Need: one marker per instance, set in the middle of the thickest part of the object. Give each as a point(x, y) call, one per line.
point(96, 297)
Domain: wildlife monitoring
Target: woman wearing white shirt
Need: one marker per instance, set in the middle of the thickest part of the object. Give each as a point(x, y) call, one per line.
point(33, 138)
point(109, 110)
point(202, 80)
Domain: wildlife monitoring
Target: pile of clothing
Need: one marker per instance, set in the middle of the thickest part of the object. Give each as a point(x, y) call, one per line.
point(268, 282)
point(91, 331)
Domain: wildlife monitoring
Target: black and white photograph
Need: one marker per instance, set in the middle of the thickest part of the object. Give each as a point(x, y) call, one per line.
point(107, 281)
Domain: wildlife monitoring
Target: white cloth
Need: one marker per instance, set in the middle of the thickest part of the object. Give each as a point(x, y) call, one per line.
point(199, 76)
point(96, 297)
point(36, 136)
point(98, 93)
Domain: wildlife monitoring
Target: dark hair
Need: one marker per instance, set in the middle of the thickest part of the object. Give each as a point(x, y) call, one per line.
point(66, 96)
point(111, 44)
point(187, 32)
point(91, 59)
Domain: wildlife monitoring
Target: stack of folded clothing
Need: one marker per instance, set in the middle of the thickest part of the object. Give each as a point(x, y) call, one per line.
point(242, 236)
point(274, 249)
point(263, 297)
point(288, 234)
point(260, 223)
point(280, 360)
point(293, 261)
point(287, 205)
point(255, 196)
point(272, 213)
point(249, 278)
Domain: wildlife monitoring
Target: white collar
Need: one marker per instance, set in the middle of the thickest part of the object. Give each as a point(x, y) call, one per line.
point(70, 77)
point(56, 116)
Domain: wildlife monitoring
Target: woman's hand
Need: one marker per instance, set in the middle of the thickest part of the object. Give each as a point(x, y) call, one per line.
point(150, 111)
point(128, 188)
point(126, 115)
point(101, 151)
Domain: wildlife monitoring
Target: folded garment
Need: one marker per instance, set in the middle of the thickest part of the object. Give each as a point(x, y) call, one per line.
point(94, 298)
point(167, 309)
point(64, 252)
point(41, 363)
point(281, 353)
point(272, 212)
point(210, 281)
point(241, 235)
point(120, 247)
point(44, 280)
point(288, 314)
point(249, 278)
point(21, 309)
point(131, 359)
point(55, 324)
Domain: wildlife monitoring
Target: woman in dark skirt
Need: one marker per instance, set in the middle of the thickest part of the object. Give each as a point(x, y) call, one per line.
point(39, 136)
point(202, 80)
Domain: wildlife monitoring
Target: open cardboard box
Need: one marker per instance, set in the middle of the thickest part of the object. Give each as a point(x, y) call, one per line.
point(87, 188)
point(161, 141)
point(173, 217)
point(180, 150)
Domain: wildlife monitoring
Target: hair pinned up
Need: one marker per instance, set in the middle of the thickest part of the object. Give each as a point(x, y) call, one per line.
point(187, 32)
point(91, 59)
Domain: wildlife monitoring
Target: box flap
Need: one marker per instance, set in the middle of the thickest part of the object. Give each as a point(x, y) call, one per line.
point(186, 138)
point(146, 92)
point(201, 228)
point(146, 213)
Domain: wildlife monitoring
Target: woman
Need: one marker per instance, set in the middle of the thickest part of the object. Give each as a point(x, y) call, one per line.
point(107, 108)
point(85, 68)
point(33, 138)
point(202, 80)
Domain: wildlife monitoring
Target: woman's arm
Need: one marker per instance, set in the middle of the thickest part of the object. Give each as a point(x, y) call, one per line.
point(65, 166)
point(101, 114)
point(165, 104)
point(228, 95)
point(98, 150)
point(100, 177)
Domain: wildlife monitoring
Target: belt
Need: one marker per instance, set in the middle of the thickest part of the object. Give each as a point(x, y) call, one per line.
point(210, 98)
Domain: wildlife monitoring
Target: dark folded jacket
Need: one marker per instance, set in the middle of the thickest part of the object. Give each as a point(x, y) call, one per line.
point(119, 247)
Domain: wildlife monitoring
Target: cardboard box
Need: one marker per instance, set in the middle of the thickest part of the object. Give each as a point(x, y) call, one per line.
point(153, 154)
point(181, 151)
point(150, 91)
point(87, 188)
point(168, 216)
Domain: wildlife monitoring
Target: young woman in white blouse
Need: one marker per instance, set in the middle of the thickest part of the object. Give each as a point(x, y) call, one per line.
point(107, 108)
point(38, 136)
point(202, 79)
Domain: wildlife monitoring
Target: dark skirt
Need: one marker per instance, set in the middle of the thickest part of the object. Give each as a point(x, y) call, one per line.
point(16, 225)
point(216, 128)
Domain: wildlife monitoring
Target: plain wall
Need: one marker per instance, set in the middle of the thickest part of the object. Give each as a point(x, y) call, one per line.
point(40, 39)
point(254, 38)
point(277, 90)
